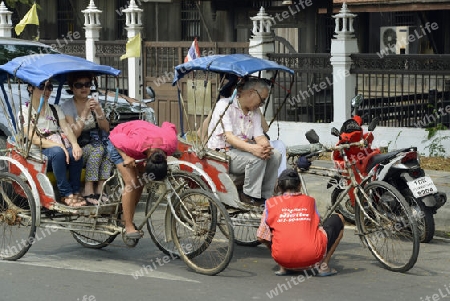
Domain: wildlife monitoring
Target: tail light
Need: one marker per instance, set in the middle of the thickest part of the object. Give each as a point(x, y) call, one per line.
point(417, 173)
point(409, 157)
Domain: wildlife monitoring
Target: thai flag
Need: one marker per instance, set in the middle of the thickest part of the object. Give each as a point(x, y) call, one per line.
point(193, 53)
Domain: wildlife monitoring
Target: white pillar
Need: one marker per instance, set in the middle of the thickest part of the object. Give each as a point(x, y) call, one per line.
point(5, 21)
point(262, 42)
point(342, 46)
point(92, 26)
point(133, 25)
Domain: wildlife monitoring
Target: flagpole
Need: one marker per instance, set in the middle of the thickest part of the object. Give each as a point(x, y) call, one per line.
point(37, 30)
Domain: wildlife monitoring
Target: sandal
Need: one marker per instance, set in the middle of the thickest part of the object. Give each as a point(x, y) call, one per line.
point(104, 199)
point(91, 199)
point(326, 273)
point(73, 201)
point(135, 235)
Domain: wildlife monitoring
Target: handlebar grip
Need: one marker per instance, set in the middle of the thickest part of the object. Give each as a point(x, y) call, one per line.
point(312, 154)
point(137, 161)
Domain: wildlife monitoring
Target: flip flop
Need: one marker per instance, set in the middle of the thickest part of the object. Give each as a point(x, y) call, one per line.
point(104, 199)
point(73, 201)
point(91, 199)
point(134, 235)
point(287, 272)
point(331, 272)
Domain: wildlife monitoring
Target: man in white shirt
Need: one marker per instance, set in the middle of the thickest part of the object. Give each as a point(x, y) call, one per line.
point(239, 132)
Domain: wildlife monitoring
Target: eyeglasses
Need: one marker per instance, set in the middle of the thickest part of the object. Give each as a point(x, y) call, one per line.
point(48, 87)
point(81, 85)
point(262, 100)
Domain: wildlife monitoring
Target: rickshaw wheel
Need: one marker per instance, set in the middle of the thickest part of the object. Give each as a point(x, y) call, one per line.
point(194, 230)
point(90, 238)
point(156, 224)
point(17, 217)
point(245, 226)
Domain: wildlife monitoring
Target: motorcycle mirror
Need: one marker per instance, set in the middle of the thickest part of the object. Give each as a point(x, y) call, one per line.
point(334, 131)
point(357, 100)
point(373, 124)
point(150, 91)
point(312, 136)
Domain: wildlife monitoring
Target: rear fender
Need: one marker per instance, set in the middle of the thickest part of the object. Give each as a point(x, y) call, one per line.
point(30, 182)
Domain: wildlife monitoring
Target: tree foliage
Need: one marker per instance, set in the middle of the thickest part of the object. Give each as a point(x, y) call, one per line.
point(13, 3)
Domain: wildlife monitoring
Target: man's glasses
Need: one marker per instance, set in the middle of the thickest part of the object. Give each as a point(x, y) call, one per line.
point(81, 85)
point(262, 100)
point(49, 87)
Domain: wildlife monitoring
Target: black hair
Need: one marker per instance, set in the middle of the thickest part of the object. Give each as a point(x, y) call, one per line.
point(72, 77)
point(156, 166)
point(290, 184)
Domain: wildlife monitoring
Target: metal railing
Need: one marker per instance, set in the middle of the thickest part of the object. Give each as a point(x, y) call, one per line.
point(404, 90)
point(312, 93)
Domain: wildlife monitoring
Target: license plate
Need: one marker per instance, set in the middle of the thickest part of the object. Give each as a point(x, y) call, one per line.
point(421, 187)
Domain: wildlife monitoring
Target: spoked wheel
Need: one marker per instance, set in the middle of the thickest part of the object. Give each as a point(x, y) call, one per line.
point(203, 247)
point(158, 224)
point(345, 207)
point(423, 215)
point(390, 230)
point(245, 225)
point(92, 237)
point(17, 217)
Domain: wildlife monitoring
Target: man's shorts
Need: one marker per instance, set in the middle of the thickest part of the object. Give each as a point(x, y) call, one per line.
point(113, 154)
point(332, 226)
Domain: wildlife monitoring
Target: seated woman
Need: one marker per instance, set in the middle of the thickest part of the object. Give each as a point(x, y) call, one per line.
point(49, 130)
point(86, 117)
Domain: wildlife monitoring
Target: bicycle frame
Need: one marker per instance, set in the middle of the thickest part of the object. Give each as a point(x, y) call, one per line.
point(348, 173)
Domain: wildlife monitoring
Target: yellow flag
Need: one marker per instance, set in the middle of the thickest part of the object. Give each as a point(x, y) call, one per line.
point(133, 47)
point(30, 18)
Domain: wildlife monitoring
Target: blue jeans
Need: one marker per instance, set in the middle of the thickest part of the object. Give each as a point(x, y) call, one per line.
point(113, 154)
point(57, 163)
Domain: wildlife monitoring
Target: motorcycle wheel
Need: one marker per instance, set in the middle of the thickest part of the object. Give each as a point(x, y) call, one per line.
point(423, 216)
point(345, 207)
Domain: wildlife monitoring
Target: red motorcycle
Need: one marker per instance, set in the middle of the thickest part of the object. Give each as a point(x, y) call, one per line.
point(400, 168)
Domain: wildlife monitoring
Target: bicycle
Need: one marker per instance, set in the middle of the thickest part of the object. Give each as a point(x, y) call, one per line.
point(384, 221)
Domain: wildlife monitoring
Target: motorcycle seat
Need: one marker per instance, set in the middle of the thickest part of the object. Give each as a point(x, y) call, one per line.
point(383, 157)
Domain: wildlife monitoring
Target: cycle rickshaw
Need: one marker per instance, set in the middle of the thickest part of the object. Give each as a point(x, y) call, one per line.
point(189, 218)
point(232, 70)
point(385, 222)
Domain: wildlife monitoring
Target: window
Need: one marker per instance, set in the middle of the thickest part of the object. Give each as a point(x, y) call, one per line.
point(65, 16)
point(190, 20)
point(121, 33)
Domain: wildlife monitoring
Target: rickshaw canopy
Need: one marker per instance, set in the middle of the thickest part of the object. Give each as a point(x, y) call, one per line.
point(37, 68)
point(237, 64)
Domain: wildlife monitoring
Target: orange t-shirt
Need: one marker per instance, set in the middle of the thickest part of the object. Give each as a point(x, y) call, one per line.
point(297, 241)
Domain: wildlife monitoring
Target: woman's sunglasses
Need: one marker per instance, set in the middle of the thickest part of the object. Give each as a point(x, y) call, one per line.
point(81, 85)
point(49, 87)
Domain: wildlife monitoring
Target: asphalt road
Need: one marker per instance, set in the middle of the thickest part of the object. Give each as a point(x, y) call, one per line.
point(57, 268)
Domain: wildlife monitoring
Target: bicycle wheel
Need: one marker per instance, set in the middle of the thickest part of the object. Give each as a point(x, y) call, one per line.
point(201, 246)
point(156, 223)
point(92, 237)
point(17, 217)
point(391, 234)
point(245, 225)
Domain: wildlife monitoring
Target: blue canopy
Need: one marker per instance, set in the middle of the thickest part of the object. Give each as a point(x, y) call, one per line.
point(37, 68)
point(238, 64)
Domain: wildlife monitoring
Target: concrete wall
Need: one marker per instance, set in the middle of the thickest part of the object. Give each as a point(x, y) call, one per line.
point(293, 133)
